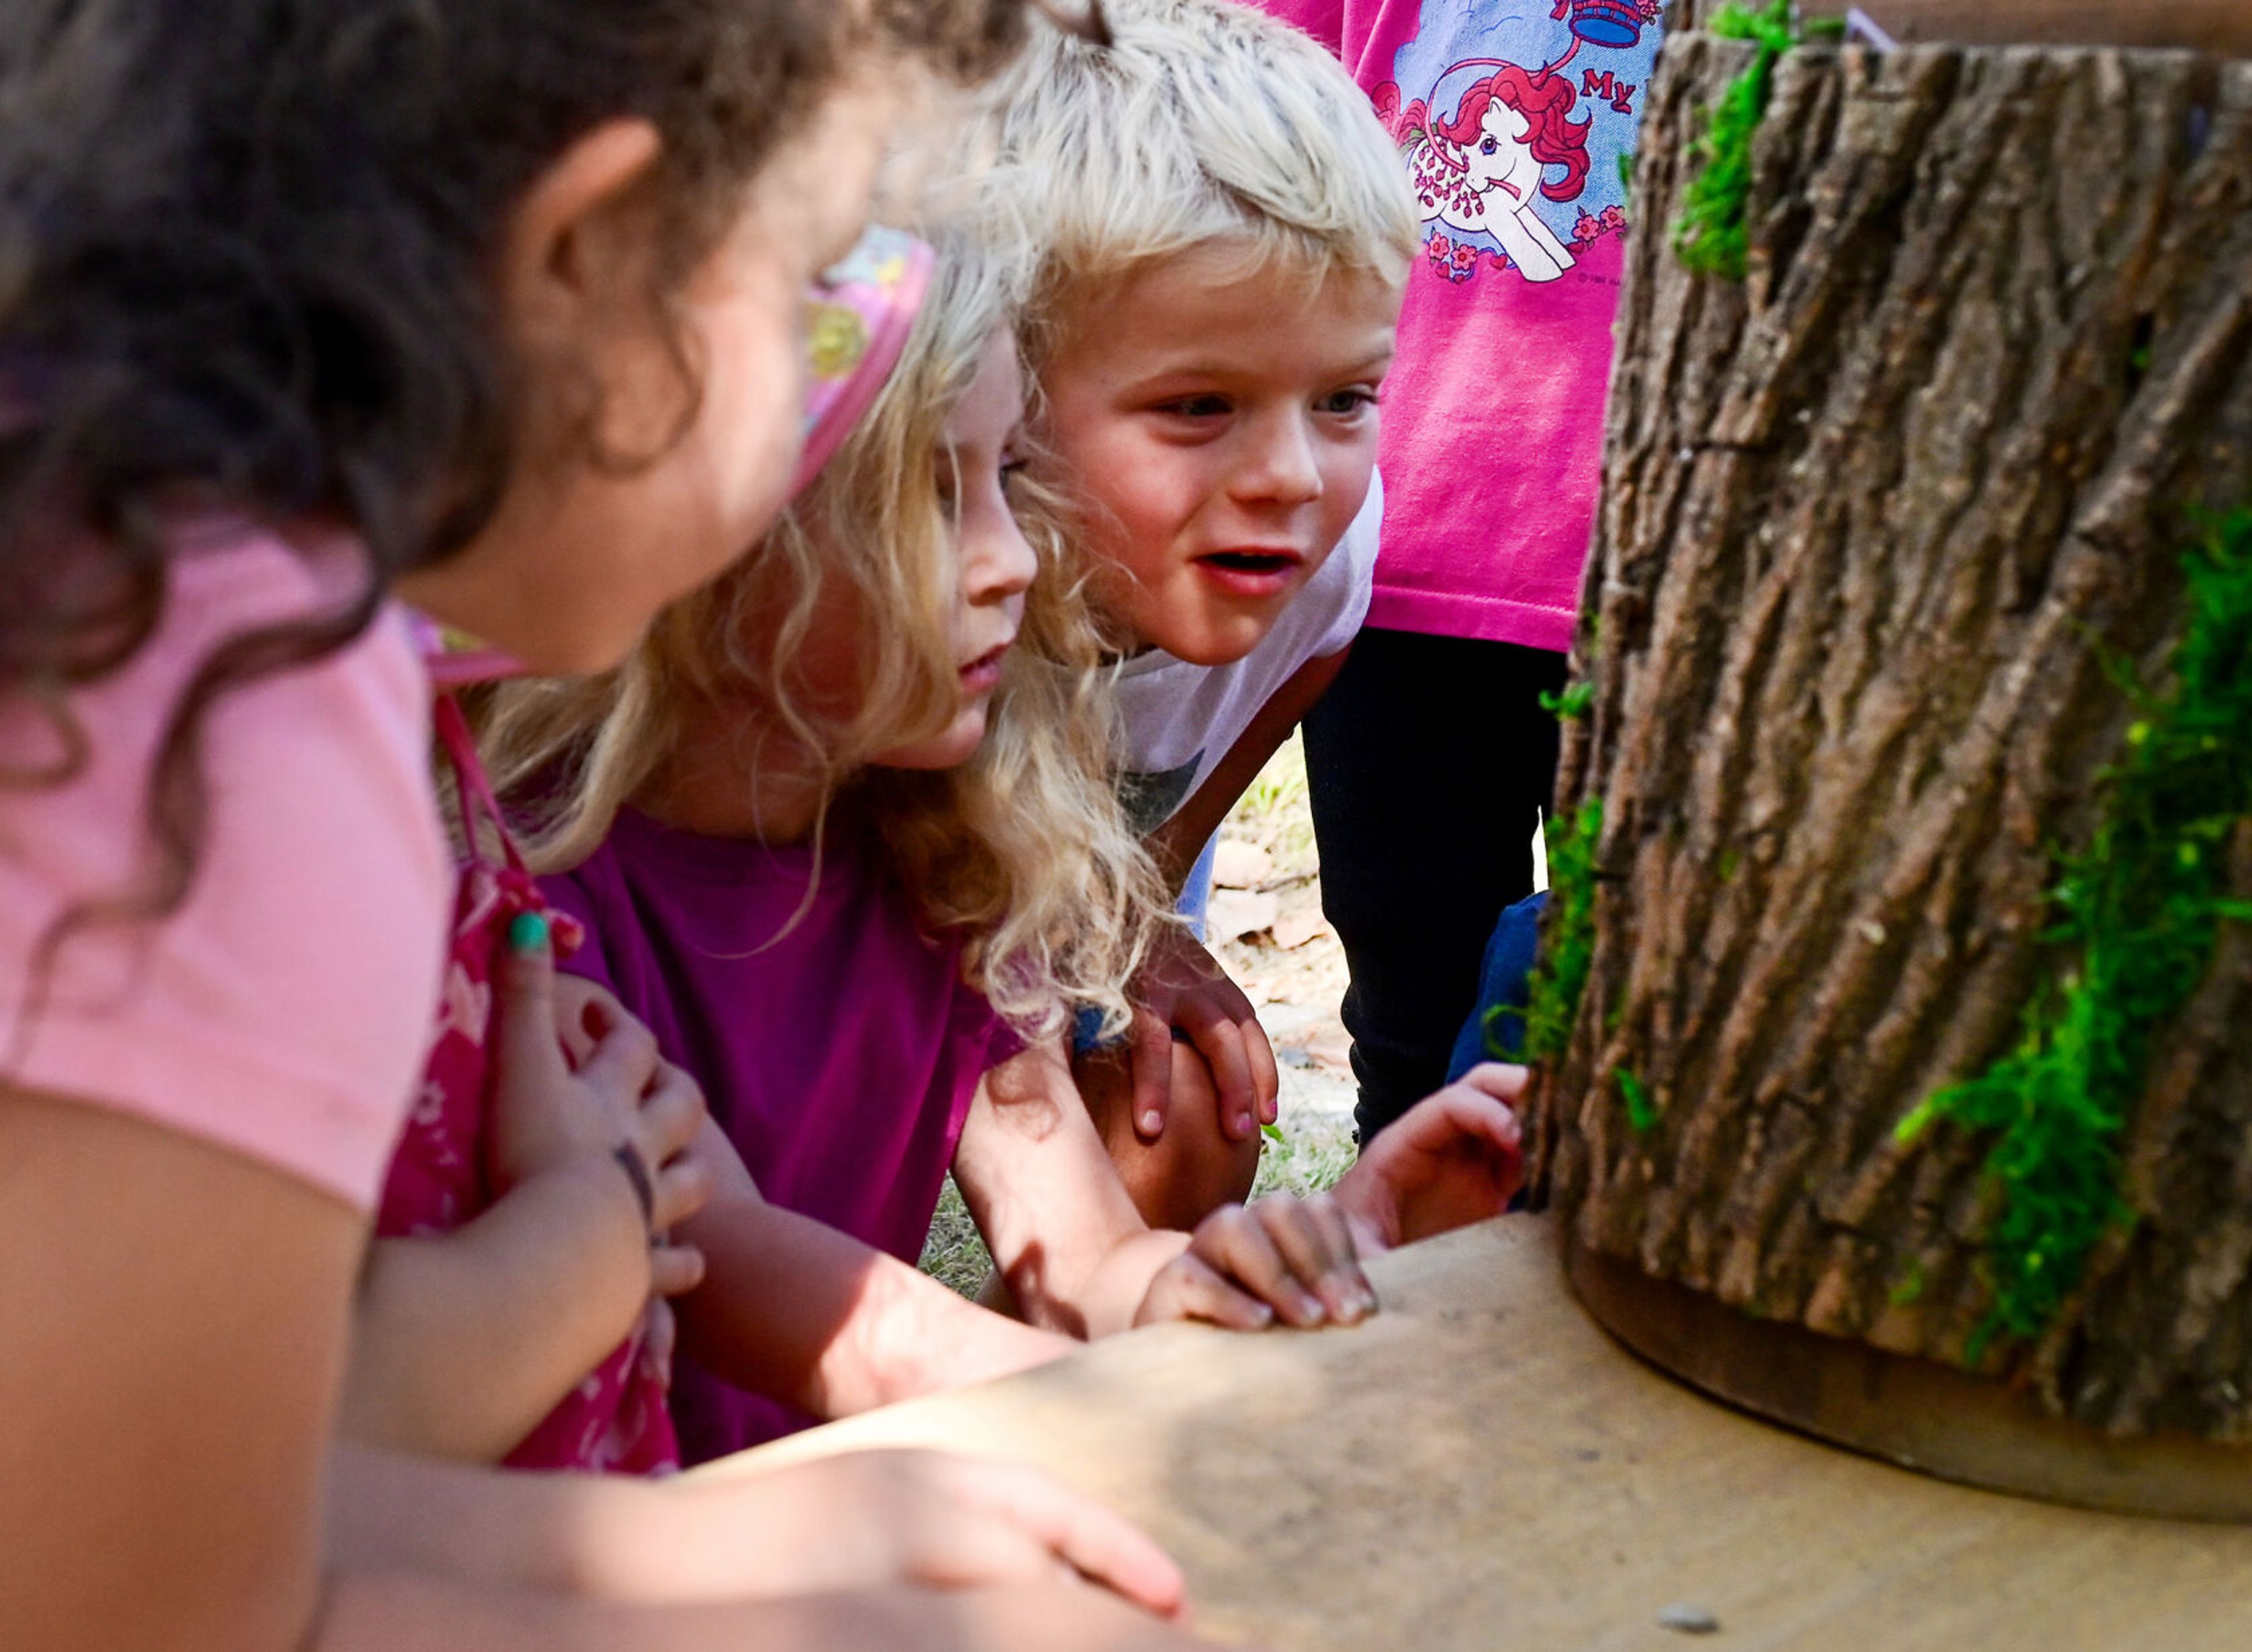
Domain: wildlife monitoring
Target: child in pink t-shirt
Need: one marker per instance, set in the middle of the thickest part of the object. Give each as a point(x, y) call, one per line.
point(1431, 757)
point(849, 848)
point(305, 304)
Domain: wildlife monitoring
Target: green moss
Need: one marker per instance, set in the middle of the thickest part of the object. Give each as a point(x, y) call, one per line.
point(1567, 949)
point(1641, 1111)
point(1572, 705)
point(1503, 1026)
point(2141, 908)
point(1711, 237)
point(1909, 1286)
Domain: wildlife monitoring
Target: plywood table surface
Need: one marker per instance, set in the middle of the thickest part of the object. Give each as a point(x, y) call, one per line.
point(1479, 1469)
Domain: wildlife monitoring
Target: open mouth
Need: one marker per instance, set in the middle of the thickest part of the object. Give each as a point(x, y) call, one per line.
point(984, 672)
point(1252, 562)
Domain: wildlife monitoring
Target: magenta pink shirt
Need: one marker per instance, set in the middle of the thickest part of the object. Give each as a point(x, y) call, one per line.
point(840, 1055)
point(1511, 119)
point(282, 1012)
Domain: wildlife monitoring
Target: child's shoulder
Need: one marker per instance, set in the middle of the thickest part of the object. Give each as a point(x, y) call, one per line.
point(216, 1018)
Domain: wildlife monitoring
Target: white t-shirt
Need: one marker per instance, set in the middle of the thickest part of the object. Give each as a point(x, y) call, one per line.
point(1177, 720)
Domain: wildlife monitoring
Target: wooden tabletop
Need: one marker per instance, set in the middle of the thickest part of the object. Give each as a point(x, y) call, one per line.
point(1478, 1469)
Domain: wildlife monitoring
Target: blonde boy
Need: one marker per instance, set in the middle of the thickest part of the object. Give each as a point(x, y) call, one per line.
point(1221, 230)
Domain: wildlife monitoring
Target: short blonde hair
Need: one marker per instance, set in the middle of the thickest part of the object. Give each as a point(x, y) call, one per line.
point(1023, 850)
point(1203, 124)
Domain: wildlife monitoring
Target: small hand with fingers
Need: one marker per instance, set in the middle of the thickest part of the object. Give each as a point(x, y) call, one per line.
point(574, 1076)
point(1182, 990)
point(864, 1519)
point(1453, 1158)
point(1248, 1265)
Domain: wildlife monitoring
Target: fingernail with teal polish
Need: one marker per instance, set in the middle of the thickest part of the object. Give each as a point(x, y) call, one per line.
point(527, 932)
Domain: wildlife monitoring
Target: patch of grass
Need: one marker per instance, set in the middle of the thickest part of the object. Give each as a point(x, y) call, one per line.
point(1308, 1157)
point(955, 1253)
point(1272, 812)
point(2141, 908)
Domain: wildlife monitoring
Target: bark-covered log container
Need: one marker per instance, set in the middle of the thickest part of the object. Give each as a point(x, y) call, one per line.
point(1886, 527)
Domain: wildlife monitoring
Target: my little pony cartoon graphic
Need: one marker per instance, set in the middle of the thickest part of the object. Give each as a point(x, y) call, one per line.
point(1483, 169)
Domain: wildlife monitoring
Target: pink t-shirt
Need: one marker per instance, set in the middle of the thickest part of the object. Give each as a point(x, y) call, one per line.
point(1511, 120)
point(838, 1051)
point(283, 1011)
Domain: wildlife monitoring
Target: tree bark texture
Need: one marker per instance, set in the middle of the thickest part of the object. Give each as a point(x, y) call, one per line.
point(1870, 520)
point(2208, 25)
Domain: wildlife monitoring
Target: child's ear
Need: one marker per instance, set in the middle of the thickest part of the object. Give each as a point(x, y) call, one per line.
point(574, 240)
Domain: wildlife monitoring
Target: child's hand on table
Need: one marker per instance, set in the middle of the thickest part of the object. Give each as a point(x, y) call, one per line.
point(1182, 986)
point(577, 1080)
point(1453, 1158)
point(1249, 1265)
point(869, 1519)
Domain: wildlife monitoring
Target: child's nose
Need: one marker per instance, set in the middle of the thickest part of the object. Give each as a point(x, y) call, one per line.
point(997, 561)
point(1281, 465)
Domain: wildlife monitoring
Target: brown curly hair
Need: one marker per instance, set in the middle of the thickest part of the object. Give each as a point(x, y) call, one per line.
point(244, 247)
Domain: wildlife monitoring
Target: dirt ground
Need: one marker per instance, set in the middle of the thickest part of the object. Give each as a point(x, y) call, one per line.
point(1267, 930)
point(1266, 925)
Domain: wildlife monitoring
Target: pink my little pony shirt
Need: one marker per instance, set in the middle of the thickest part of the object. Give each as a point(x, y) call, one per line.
point(1513, 117)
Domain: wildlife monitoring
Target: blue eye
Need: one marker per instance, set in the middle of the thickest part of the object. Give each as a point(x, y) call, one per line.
point(1488, 147)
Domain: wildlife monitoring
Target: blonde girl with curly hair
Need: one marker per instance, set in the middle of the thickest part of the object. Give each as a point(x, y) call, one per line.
point(843, 834)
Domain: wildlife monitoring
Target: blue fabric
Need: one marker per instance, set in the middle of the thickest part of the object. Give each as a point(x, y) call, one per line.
point(1195, 902)
point(1086, 1031)
point(1505, 982)
point(1196, 889)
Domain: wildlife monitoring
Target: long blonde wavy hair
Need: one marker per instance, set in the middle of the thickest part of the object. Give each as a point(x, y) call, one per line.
point(1023, 850)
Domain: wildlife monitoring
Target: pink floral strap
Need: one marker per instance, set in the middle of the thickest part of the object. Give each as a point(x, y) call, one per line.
point(479, 806)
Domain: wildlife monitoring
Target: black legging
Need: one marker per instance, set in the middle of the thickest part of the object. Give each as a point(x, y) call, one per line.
point(1429, 760)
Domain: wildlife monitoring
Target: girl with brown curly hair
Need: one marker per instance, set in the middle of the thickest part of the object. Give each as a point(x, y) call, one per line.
point(493, 305)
